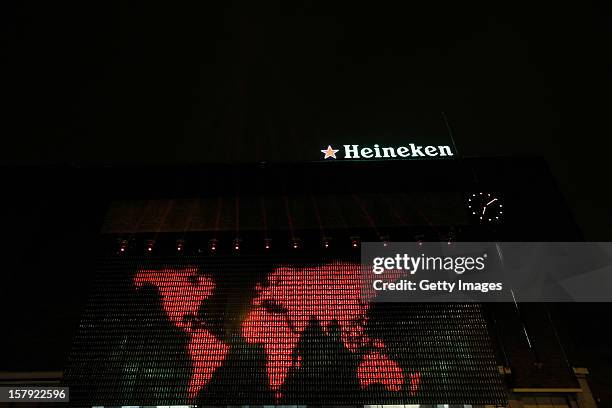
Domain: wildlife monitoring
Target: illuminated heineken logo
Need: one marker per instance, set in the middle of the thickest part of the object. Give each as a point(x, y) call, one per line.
point(411, 151)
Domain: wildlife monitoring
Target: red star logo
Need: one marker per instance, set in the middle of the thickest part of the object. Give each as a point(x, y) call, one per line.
point(329, 152)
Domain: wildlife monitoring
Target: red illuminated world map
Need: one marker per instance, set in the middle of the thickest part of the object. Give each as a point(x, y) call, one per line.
point(330, 293)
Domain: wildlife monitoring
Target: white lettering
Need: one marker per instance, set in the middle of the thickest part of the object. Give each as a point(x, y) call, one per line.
point(366, 152)
point(412, 150)
point(431, 151)
point(389, 152)
point(439, 285)
point(377, 150)
point(349, 150)
point(416, 150)
point(445, 151)
point(377, 265)
point(403, 151)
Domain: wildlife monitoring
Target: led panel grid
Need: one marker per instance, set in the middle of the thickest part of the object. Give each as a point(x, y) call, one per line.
point(238, 330)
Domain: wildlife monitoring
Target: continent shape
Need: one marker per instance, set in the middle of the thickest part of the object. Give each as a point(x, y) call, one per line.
point(331, 293)
point(182, 291)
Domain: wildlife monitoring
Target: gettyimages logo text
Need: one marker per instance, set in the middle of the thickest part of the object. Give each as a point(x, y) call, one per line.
point(412, 151)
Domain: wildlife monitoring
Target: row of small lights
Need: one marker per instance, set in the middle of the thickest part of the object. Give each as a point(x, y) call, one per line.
point(213, 244)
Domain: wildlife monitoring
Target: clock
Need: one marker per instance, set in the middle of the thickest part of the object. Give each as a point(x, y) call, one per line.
point(485, 208)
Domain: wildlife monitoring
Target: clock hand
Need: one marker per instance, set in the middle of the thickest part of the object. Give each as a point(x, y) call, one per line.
point(485, 207)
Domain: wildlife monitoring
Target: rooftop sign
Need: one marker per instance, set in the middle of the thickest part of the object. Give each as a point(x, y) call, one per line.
point(412, 151)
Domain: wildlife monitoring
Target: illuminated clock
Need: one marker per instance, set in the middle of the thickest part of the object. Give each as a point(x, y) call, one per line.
point(485, 208)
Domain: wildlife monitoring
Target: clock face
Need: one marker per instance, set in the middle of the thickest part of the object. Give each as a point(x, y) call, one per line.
point(485, 208)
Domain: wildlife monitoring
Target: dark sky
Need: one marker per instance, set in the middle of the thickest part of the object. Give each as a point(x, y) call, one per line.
point(149, 83)
point(121, 82)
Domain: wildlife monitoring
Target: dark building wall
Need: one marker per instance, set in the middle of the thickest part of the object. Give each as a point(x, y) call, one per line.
point(53, 273)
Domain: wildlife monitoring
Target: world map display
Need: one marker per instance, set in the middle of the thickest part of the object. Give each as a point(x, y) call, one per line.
point(250, 330)
point(281, 311)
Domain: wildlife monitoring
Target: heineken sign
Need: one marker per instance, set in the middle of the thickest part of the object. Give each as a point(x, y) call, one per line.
point(412, 151)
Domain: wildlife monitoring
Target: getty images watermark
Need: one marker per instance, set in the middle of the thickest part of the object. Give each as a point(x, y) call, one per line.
point(402, 264)
point(487, 272)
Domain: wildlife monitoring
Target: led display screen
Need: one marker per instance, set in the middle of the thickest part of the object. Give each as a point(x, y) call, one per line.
point(253, 330)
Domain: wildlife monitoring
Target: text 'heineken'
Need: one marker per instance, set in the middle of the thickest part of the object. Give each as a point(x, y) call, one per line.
point(377, 152)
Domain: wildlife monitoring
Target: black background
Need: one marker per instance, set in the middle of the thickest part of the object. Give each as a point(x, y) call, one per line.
point(101, 84)
point(227, 81)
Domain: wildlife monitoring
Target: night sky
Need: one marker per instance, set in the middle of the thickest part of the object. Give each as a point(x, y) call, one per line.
point(242, 82)
point(109, 83)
